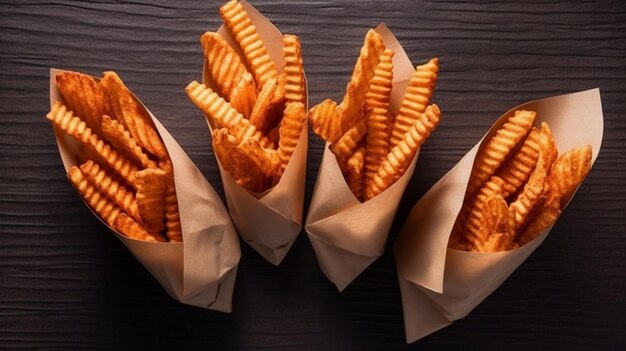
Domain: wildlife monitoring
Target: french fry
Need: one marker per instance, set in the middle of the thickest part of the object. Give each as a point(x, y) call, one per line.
point(128, 112)
point(326, 121)
point(260, 116)
point(531, 192)
point(351, 108)
point(402, 154)
point(93, 197)
point(85, 97)
point(497, 228)
point(219, 110)
point(294, 71)
point(354, 172)
point(491, 156)
point(120, 139)
point(348, 143)
point(127, 226)
point(546, 215)
point(76, 128)
point(122, 197)
point(150, 184)
point(377, 115)
point(172, 216)
point(290, 130)
point(244, 95)
point(245, 172)
point(266, 160)
point(239, 24)
point(569, 170)
point(473, 235)
point(517, 169)
point(416, 98)
point(225, 65)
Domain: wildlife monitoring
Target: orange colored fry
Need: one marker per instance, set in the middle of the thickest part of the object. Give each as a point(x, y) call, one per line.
point(568, 172)
point(244, 95)
point(290, 130)
point(226, 67)
point(120, 139)
point(518, 168)
point(348, 143)
point(150, 184)
point(326, 121)
point(354, 172)
point(294, 71)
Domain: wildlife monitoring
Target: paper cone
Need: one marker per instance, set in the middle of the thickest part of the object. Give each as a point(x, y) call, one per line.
point(201, 270)
point(271, 221)
point(440, 285)
point(348, 235)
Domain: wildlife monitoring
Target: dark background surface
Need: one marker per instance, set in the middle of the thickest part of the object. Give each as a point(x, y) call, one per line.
point(66, 282)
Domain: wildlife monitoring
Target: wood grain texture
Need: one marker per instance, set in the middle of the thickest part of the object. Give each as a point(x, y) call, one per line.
point(67, 283)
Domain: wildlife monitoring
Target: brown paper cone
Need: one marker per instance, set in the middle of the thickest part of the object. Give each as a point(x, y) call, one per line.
point(348, 235)
point(201, 270)
point(440, 285)
point(271, 221)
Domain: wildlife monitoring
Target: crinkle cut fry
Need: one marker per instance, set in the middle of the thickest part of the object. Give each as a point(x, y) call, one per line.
point(120, 138)
point(172, 216)
point(348, 143)
point(226, 67)
point(516, 170)
point(290, 130)
point(354, 172)
point(218, 109)
point(325, 120)
point(294, 71)
point(239, 24)
point(75, 127)
point(402, 154)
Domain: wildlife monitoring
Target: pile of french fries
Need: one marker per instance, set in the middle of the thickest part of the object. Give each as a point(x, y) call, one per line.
point(517, 187)
point(257, 114)
point(373, 147)
point(126, 174)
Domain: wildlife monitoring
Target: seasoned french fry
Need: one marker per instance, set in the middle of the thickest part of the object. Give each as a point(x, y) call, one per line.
point(260, 116)
point(518, 168)
point(239, 24)
point(132, 229)
point(531, 192)
point(76, 128)
point(491, 156)
point(218, 109)
point(128, 112)
point(569, 170)
point(348, 143)
point(150, 184)
point(172, 216)
point(266, 160)
point(377, 115)
point(226, 67)
point(245, 172)
point(93, 197)
point(326, 121)
point(294, 71)
point(85, 97)
point(351, 108)
point(290, 130)
point(474, 237)
point(122, 197)
point(244, 95)
point(402, 154)
point(354, 172)
point(546, 215)
point(497, 228)
point(120, 139)
point(416, 98)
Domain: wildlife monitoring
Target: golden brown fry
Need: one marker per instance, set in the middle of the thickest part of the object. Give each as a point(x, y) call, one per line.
point(260, 116)
point(128, 227)
point(326, 121)
point(96, 200)
point(267, 160)
point(416, 98)
point(239, 24)
point(497, 229)
point(120, 139)
point(243, 171)
point(294, 71)
point(568, 172)
point(546, 215)
point(128, 112)
point(85, 97)
point(518, 167)
point(354, 172)
point(377, 115)
point(221, 112)
point(226, 67)
point(351, 108)
point(348, 143)
point(76, 128)
point(472, 224)
point(172, 216)
point(150, 184)
point(533, 189)
point(290, 130)
point(493, 153)
point(244, 95)
point(402, 154)
point(123, 198)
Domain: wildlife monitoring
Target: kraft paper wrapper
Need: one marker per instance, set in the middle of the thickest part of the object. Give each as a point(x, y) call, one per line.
point(269, 221)
point(347, 235)
point(201, 270)
point(440, 285)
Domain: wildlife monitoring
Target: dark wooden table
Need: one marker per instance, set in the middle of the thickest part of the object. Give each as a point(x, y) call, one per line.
point(66, 282)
